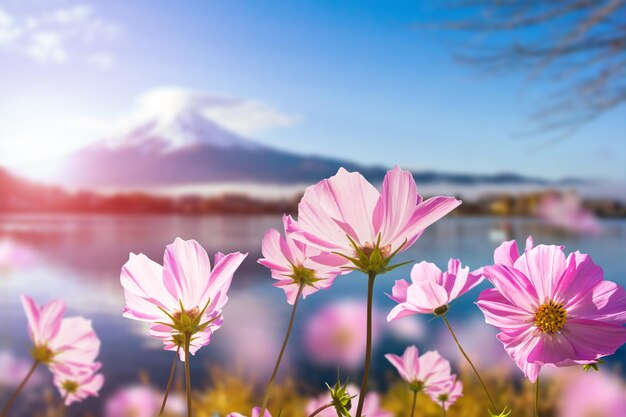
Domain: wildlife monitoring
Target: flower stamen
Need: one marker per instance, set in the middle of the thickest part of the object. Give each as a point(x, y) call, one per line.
point(550, 317)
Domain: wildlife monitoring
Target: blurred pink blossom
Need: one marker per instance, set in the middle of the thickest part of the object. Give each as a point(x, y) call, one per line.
point(371, 404)
point(76, 384)
point(13, 255)
point(255, 413)
point(566, 212)
point(156, 293)
point(447, 394)
point(59, 341)
point(135, 401)
point(335, 334)
point(593, 394)
point(429, 372)
point(13, 370)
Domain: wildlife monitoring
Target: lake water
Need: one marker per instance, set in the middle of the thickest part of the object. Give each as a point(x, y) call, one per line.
point(78, 259)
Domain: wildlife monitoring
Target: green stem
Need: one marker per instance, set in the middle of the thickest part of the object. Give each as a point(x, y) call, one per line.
point(8, 405)
point(537, 397)
point(319, 410)
point(282, 351)
point(169, 382)
point(368, 343)
point(414, 402)
point(443, 407)
point(493, 404)
point(187, 373)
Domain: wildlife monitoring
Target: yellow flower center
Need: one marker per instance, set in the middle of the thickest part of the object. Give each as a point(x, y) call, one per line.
point(70, 386)
point(550, 317)
point(342, 338)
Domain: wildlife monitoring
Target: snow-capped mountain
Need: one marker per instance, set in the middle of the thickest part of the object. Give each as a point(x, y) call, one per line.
point(188, 148)
point(165, 132)
point(178, 144)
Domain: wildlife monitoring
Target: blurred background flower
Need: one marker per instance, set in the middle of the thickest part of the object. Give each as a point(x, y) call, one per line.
point(592, 394)
point(335, 334)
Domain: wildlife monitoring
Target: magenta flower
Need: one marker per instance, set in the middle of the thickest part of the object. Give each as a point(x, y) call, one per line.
point(292, 265)
point(59, 341)
point(77, 384)
point(448, 394)
point(371, 404)
point(429, 372)
point(256, 411)
point(344, 215)
point(184, 296)
point(136, 401)
point(553, 311)
point(431, 290)
point(335, 335)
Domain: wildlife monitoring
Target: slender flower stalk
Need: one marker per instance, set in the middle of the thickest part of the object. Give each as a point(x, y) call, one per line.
point(537, 397)
point(187, 373)
point(493, 404)
point(9, 403)
point(443, 408)
point(282, 351)
point(368, 342)
point(414, 402)
point(169, 383)
point(322, 408)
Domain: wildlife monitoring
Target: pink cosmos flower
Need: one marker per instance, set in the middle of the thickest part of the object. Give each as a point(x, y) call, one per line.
point(291, 264)
point(255, 413)
point(185, 283)
point(335, 334)
point(371, 404)
point(346, 206)
point(136, 401)
point(429, 372)
point(58, 341)
point(431, 290)
point(448, 394)
point(553, 311)
point(13, 255)
point(76, 384)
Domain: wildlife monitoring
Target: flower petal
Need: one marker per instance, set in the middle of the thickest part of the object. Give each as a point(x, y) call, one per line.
point(514, 286)
point(544, 265)
point(396, 204)
point(188, 263)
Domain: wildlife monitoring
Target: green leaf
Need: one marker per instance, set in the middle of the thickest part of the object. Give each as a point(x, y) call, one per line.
point(504, 413)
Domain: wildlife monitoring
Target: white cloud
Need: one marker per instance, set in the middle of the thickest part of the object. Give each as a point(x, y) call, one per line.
point(102, 60)
point(56, 36)
point(46, 47)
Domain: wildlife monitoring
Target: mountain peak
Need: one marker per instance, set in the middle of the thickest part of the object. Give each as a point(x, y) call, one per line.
point(177, 121)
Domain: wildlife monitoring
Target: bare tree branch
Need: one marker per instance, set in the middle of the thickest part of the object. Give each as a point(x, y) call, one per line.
point(579, 46)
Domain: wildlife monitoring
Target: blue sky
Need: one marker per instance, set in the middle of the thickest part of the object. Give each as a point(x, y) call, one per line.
point(348, 79)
